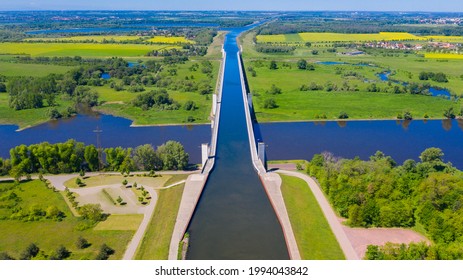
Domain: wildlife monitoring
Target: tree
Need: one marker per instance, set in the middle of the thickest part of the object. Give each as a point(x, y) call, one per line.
point(449, 113)
point(270, 104)
point(308, 44)
point(274, 90)
point(189, 105)
point(119, 200)
point(124, 183)
point(431, 155)
point(4, 256)
point(343, 115)
point(60, 254)
point(273, 65)
point(146, 158)
point(173, 156)
point(315, 52)
point(82, 243)
point(91, 157)
point(302, 64)
point(2, 87)
point(105, 252)
point(31, 251)
point(91, 212)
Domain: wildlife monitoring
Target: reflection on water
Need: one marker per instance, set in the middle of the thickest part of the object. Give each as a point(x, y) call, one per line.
point(399, 139)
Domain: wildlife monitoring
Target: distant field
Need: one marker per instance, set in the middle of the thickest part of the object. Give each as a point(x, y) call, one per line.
point(170, 40)
point(445, 38)
point(443, 55)
point(79, 49)
point(96, 38)
point(337, 37)
point(100, 38)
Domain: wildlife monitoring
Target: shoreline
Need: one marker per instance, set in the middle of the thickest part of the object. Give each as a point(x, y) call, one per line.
point(19, 129)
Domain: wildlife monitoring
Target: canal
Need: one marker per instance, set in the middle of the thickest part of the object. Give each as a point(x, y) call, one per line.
point(234, 218)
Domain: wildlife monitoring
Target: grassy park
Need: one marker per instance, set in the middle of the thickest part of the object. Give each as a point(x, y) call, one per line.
point(314, 237)
point(34, 197)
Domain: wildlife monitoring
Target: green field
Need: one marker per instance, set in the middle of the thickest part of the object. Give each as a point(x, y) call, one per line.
point(352, 81)
point(28, 117)
point(49, 234)
point(119, 103)
point(156, 242)
point(34, 70)
point(314, 237)
point(80, 49)
point(294, 104)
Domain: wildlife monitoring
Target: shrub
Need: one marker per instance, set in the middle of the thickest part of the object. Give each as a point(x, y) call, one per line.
point(270, 104)
point(82, 243)
point(343, 115)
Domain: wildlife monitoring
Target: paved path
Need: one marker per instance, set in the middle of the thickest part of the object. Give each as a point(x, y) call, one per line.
point(148, 211)
point(192, 192)
point(272, 186)
point(330, 216)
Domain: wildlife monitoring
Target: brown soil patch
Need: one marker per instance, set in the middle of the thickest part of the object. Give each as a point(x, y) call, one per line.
point(360, 238)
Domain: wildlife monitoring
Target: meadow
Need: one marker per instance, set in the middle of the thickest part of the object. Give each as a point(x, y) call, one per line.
point(314, 237)
point(357, 72)
point(118, 103)
point(28, 117)
point(294, 104)
point(33, 70)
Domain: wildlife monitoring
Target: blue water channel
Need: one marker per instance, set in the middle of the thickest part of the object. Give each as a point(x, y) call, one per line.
point(234, 218)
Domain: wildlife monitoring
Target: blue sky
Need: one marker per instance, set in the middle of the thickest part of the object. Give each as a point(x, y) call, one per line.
point(308, 5)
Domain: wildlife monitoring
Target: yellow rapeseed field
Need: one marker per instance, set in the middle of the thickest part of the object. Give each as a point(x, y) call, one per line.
point(449, 39)
point(96, 38)
point(342, 37)
point(170, 40)
point(443, 55)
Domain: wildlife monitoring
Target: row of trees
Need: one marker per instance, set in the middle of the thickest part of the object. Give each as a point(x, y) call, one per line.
point(379, 193)
point(73, 156)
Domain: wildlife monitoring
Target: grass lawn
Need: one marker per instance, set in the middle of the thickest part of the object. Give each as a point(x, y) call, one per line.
point(313, 235)
point(120, 222)
point(49, 234)
point(156, 242)
point(109, 179)
point(34, 70)
point(28, 117)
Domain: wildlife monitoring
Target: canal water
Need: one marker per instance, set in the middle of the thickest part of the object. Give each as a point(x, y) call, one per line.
point(234, 218)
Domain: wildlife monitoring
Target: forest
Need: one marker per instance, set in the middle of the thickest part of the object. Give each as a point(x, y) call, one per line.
point(73, 156)
point(426, 195)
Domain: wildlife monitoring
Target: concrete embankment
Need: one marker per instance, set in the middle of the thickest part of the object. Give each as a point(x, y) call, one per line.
point(195, 183)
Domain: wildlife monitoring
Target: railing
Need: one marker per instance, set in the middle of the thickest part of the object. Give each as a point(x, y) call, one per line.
point(258, 165)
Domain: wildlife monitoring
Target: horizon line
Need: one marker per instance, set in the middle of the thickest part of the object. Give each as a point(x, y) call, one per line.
point(218, 10)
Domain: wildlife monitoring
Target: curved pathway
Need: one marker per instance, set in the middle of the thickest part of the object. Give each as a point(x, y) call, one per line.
point(330, 216)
